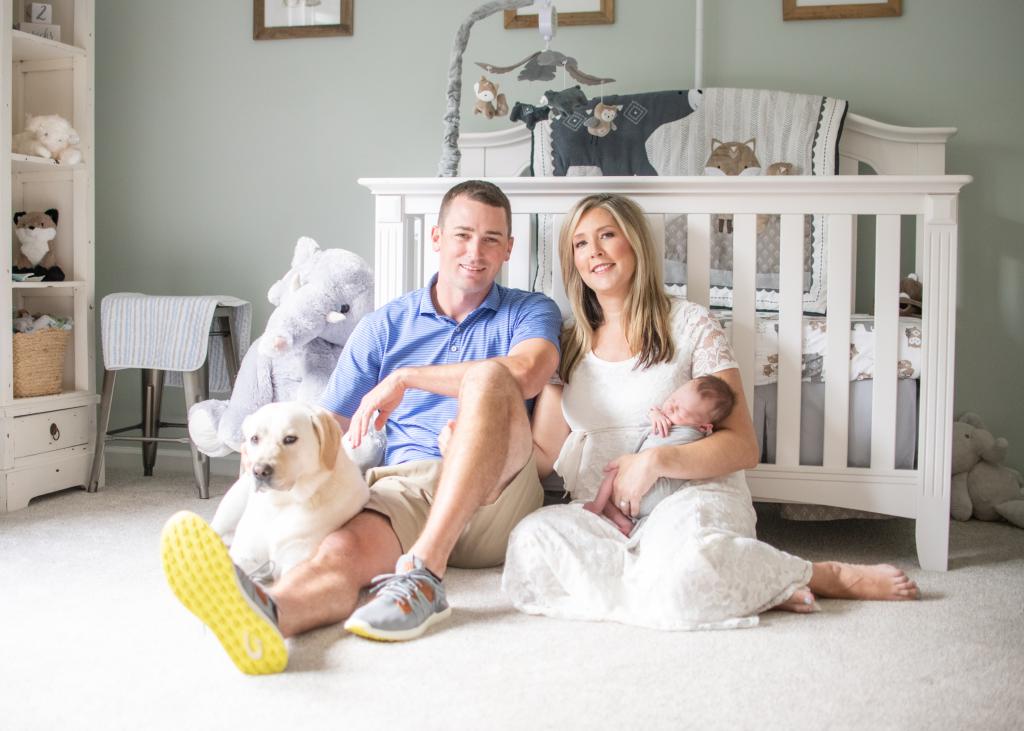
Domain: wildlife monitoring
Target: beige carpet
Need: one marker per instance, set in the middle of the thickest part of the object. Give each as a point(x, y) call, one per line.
point(91, 638)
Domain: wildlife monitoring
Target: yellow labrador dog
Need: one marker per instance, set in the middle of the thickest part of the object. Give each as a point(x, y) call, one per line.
point(297, 485)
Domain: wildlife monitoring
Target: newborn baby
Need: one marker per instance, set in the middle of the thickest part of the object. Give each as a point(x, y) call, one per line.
point(691, 412)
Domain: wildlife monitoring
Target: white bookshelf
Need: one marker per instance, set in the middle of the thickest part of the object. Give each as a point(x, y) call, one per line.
point(47, 442)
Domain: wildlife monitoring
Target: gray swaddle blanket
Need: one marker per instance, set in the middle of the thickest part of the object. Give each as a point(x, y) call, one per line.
point(665, 486)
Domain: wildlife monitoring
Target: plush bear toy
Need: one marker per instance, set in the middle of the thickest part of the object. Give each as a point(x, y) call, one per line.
point(319, 301)
point(911, 291)
point(982, 486)
point(35, 230)
point(50, 136)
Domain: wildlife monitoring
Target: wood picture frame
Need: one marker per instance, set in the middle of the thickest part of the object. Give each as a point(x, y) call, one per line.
point(603, 13)
point(795, 10)
point(276, 19)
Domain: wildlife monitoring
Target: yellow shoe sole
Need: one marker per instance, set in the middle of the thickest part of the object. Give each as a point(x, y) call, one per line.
point(202, 576)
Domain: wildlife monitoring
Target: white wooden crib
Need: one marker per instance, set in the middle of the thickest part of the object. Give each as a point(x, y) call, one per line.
point(910, 163)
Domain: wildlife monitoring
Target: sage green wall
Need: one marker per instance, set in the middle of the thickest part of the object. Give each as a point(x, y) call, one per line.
point(215, 152)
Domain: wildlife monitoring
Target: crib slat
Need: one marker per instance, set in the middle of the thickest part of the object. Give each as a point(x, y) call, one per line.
point(516, 271)
point(390, 273)
point(557, 287)
point(698, 258)
point(429, 260)
point(744, 268)
point(883, 391)
point(837, 341)
point(791, 294)
point(657, 224)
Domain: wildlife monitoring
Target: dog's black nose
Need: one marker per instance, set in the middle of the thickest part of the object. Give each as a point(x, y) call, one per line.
point(262, 471)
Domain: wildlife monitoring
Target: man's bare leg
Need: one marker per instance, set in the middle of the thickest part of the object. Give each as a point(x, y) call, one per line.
point(325, 589)
point(490, 444)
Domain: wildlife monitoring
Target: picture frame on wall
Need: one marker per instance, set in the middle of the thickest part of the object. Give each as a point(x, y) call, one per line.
point(570, 12)
point(831, 10)
point(276, 19)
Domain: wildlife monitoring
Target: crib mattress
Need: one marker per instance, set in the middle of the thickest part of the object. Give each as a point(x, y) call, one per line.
point(862, 347)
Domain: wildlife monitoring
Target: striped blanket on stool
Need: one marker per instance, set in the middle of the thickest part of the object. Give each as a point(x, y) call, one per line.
point(170, 334)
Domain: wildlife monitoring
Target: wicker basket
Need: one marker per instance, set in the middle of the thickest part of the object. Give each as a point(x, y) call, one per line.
point(39, 362)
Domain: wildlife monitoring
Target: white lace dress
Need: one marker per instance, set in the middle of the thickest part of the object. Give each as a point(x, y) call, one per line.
point(695, 562)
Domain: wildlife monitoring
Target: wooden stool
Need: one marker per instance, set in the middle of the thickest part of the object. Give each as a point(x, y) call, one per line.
point(196, 384)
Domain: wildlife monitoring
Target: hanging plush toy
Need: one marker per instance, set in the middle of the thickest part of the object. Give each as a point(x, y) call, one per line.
point(488, 101)
point(603, 121)
point(564, 102)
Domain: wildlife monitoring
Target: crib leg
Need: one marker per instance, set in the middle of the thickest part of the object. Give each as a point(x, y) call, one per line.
point(932, 530)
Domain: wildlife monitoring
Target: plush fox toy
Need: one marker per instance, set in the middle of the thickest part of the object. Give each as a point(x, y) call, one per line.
point(488, 101)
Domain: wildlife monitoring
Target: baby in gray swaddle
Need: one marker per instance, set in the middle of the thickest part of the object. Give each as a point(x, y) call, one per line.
point(691, 412)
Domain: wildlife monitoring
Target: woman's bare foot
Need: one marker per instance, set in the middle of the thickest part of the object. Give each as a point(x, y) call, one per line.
point(801, 602)
point(855, 581)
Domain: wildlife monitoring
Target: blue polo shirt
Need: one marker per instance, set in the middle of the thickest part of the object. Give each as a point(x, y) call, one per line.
point(409, 331)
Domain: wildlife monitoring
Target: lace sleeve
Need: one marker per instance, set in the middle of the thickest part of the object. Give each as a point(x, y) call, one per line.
point(712, 351)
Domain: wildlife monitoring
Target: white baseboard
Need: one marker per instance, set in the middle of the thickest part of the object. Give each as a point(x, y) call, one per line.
point(168, 458)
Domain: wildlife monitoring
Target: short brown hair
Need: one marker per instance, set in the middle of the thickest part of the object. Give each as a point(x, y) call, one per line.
point(480, 191)
point(717, 391)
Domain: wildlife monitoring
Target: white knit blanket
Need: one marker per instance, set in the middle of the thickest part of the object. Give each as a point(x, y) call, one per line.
point(170, 334)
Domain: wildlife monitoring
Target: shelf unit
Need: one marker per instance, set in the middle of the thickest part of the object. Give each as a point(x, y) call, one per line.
point(47, 442)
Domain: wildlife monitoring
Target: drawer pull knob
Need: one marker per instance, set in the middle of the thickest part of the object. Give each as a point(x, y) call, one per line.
point(54, 432)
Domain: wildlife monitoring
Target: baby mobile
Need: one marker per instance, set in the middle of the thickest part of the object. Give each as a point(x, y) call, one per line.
point(538, 66)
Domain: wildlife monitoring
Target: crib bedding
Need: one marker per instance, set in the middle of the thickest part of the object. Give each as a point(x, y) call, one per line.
point(671, 133)
point(862, 347)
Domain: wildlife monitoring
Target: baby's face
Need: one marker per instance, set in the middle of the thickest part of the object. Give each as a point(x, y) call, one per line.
point(686, 407)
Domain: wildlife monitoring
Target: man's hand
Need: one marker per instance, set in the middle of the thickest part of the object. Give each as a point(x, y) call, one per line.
point(383, 398)
point(633, 479)
point(445, 436)
point(660, 424)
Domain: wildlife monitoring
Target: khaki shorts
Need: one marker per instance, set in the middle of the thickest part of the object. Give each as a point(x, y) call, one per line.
point(404, 493)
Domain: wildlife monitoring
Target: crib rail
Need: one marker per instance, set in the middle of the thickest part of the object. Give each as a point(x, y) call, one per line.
point(406, 208)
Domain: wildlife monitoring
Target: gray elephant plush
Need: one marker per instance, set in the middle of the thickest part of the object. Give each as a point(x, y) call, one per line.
point(982, 486)
point(319, 301)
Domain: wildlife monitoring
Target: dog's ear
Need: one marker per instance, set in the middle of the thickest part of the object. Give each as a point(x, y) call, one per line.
point(328, 431)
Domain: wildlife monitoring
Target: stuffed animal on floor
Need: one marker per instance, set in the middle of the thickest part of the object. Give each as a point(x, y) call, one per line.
point(603, 121)
point(982, 486)
point(488, 101)
point(319, 301)
point(564, 102)
point(35, 230)
point(731, 158)
point(50, 136)
point(911, 293)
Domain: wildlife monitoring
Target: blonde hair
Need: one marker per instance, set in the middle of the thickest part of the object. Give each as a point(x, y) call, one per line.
point(646, 316)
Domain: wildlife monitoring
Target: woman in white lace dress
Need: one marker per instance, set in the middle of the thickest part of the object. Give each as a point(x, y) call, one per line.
point(695, 561)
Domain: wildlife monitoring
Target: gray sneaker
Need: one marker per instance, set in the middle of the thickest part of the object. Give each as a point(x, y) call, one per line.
point(406, 603)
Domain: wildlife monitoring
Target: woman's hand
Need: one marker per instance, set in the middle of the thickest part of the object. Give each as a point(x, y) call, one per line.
point(633, 479)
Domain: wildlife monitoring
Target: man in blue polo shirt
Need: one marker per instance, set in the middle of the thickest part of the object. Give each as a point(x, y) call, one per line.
point(454, 362)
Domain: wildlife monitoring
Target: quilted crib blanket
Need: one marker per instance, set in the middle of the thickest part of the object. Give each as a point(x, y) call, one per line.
point(672, 133)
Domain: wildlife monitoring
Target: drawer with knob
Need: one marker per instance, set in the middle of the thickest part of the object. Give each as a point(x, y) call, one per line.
point(50, 431)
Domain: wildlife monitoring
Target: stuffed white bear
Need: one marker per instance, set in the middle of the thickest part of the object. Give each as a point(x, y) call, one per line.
point(319, 301)
point(50, 136)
